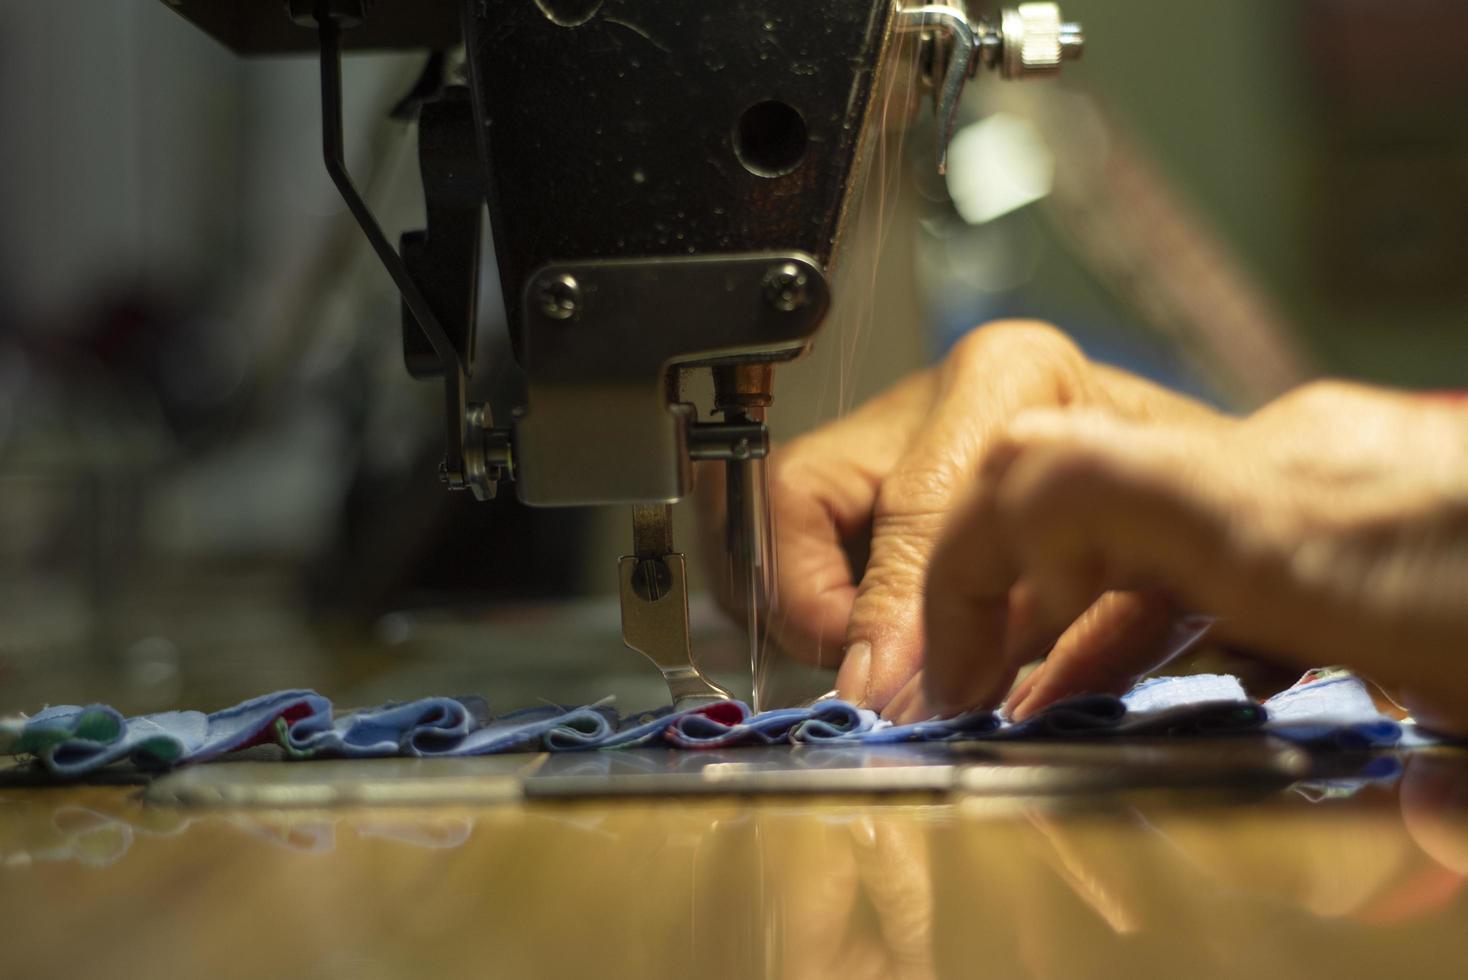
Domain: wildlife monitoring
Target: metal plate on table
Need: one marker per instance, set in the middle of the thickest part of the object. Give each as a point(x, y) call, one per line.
point(346, 782)
point(776, 769)
point(1110, 765)
point(981, 768)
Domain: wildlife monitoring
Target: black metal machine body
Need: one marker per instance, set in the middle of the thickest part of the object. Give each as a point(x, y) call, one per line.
point(666, 183)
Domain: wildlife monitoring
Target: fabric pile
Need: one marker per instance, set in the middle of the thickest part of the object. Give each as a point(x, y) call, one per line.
point(1325, 708)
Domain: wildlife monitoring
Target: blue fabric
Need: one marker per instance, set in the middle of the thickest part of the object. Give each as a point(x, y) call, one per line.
point(416, 728)
point(1331, 708)
point(531, 730)
point(1326, 708)
point(1157, 693)
point(72, 740)
point(974, 724)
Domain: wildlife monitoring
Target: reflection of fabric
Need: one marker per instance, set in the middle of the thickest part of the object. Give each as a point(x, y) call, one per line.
point(1356, 772)
point(1330, 709)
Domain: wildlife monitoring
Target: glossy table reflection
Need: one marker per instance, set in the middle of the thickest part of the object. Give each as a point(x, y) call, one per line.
point(1293, 881)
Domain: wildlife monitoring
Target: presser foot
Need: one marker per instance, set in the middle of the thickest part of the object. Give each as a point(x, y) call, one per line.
point(654, 597)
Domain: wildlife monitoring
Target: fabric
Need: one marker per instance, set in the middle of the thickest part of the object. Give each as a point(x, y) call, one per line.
point(1158, 693)
point(1327, 708)
point(416, 728)
point(73, 740)
point(1331, 707)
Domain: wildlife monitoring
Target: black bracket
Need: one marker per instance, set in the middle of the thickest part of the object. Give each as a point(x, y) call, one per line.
point(444, 258)
point(452, 358)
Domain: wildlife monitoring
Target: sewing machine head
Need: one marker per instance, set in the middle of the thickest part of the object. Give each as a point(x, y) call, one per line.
point(666, 185)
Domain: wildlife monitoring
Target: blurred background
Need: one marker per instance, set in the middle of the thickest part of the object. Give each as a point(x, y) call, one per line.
point(216, 477)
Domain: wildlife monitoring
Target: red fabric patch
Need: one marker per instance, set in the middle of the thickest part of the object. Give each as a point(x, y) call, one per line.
point(266, 735)
point(723, 712)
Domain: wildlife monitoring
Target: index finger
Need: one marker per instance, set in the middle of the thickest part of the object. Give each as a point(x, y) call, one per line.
point(1073, 507)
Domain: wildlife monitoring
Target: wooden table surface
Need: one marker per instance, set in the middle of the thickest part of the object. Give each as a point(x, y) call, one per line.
point(1299, 882)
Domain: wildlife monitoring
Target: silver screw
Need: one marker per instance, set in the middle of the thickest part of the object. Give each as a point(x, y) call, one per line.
point(787, 287)
point(560, 296)
point(652, 579)
point(1031, 39)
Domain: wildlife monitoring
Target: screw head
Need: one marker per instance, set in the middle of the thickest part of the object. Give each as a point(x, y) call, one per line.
point(787, 287)
point(652, 579)
point(560, 296)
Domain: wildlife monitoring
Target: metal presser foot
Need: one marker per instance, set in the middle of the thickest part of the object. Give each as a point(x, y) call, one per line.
point(654, 595)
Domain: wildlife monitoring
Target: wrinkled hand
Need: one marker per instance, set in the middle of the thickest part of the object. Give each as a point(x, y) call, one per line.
point(1331, 527)
point(884, 482)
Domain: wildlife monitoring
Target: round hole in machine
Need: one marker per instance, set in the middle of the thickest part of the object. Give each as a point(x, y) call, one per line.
point(770, 138)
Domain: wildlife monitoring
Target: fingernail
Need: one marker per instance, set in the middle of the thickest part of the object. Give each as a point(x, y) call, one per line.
point(1023, 710)
point(919, 710)
point(851, 680)
point(1026, 689)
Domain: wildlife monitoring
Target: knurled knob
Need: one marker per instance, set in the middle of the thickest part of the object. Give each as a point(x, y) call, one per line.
point(1036, 40)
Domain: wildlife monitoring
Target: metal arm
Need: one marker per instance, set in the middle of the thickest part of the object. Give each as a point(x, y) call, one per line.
point(460, 434)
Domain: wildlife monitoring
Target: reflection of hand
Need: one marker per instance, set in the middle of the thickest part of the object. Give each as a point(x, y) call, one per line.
point(856, 897)
point(884, 480)
point(1359, 864)
point(1435, 808)
point(1329, 527)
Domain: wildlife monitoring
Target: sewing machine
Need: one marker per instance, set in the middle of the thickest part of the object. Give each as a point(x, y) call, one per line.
point(666, 185)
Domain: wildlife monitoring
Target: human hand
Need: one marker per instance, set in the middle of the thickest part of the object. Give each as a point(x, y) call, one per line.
point(882, 482)
point(1331, 527)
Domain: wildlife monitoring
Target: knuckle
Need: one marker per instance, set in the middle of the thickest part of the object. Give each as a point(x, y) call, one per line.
point(1011, 341)
point(915, 492)
point(1323, 395)
point(901, 548)
point(894, 579)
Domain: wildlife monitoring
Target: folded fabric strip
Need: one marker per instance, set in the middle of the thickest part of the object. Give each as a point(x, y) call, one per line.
point(1158, 693)
point(416, 728)
point(531, 729)
point(1196, 704)
point(74, 740)
point(1203, 719)
point(1331, 707)
point(974, 724)
point(1325, 708)
point(51, 726)
point(725, 724)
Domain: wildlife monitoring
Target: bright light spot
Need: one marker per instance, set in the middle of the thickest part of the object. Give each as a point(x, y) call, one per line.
point(997, 165)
